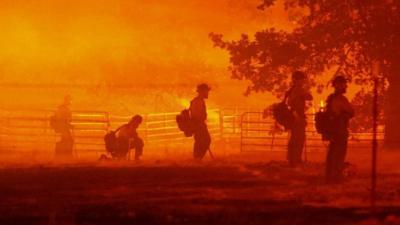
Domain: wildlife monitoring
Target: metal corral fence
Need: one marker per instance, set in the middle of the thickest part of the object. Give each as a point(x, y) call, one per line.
point(29, 130)
point(162, 127)
point(264, 134)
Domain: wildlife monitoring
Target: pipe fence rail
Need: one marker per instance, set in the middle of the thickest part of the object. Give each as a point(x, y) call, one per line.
point(22, 130)
point(264, 134)
point(28, 130)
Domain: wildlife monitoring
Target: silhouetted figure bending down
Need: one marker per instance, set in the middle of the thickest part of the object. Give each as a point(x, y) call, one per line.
point(341, 111)
point(198, 111)
point(297, 96)
point(127, 138)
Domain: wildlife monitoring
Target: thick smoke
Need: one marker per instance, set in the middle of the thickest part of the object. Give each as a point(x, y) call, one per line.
point(96, 48)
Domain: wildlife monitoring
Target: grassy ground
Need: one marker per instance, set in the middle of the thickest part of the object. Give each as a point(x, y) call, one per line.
point(240, 189)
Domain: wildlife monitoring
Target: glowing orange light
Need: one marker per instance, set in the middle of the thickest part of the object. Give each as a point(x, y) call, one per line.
point(322, 104)
point(184, 102)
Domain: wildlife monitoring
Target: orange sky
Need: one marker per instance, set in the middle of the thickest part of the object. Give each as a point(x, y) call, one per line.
point(124, 42)
point(53, 36)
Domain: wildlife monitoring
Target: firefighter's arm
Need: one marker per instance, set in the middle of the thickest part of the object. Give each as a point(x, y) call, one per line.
point(307, 94)
point(342, 106)
point(348, 108)
point(70, 123)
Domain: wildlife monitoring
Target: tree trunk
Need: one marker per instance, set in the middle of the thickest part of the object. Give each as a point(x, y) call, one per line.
point(392, 109)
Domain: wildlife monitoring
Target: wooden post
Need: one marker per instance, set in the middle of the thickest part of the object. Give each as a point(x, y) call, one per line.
point(221, 123)
point(241, 133)
point(305, 149)
point(375, 113)
point(374, 147)
point(273, 135)
point(146, 128)
point(235, 114)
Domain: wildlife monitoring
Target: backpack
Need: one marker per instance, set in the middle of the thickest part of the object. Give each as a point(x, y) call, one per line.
point(184, 122)
point(55, 123)
point(323, 123)
point(282, 114)
point(110, 140)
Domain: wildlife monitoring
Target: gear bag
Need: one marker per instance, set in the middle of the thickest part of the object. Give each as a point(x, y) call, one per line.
point(323, 123)
point(282, 114)
point(110, 140)
point(55, 123)
point(184, 122)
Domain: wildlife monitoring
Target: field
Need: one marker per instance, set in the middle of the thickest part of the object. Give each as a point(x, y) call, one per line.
point(231, 189)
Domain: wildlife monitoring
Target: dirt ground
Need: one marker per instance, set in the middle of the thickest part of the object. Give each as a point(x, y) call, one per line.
point(236, 189)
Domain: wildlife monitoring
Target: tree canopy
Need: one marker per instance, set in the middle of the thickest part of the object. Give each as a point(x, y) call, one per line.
point(346, 35)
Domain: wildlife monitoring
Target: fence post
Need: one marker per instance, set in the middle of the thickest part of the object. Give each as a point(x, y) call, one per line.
point(235, 115)
point(165, 132)
point(1, 130)
point(241, 132)
point(305, 148)
point(108, 121)
point(146, 127)
point(374, 148)
point(273, 136)
point(221, 123)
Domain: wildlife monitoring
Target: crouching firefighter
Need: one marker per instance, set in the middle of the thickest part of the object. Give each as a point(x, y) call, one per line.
point(198, 112)
point(340, 111)
point(120, 142)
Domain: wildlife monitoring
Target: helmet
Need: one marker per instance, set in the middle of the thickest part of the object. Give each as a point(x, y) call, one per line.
point(202, 87)
point(136, 118)
point(298, 75)
point(339, 79)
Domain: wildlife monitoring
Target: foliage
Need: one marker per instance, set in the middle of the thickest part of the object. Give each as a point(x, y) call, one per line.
point(343, 34)
point(363, 103)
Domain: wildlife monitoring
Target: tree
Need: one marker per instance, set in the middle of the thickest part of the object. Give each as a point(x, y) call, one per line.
point(347, 35)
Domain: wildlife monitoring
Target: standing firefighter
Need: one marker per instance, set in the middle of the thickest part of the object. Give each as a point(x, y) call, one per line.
point(340, 112)
point(198, 112)
point(297, 96)
point(61, 124)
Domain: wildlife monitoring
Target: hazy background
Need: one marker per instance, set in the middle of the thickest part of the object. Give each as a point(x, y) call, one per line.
point(123, 55)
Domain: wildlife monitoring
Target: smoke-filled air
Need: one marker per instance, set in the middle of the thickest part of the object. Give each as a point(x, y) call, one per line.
point(199, 112)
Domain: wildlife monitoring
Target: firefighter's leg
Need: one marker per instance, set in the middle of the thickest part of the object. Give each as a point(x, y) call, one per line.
point(330, 161)
point(138, 145)
point(197, 145)
point(207, 141)
point(122, 148)
point(340, 156)
point(64, 147)
point(202, 142)
point(296, 143)
point(300, 139)
point(290, 148)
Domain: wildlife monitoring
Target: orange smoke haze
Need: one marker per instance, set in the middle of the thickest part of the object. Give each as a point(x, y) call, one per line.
point(94, 48)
